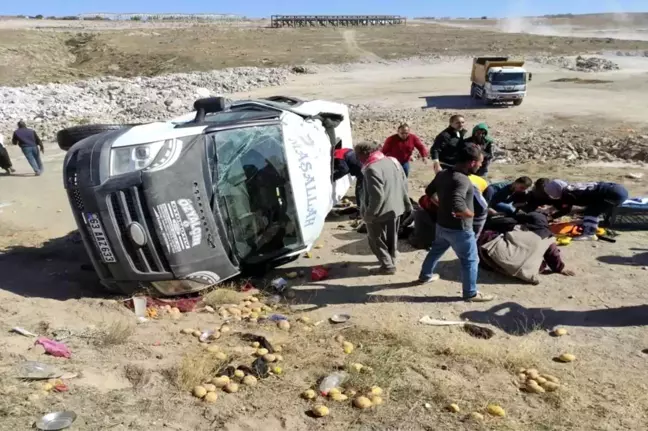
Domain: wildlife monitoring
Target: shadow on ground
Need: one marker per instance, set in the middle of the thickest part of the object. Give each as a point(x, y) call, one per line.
point(516, 319)
point(640, 259)
point(57, 269)
point(456, 101)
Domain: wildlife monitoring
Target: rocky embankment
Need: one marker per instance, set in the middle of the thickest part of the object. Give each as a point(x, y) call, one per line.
point(579, 64)
point(48, 108)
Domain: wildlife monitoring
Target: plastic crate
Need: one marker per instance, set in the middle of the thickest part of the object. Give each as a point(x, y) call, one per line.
point(627, 218)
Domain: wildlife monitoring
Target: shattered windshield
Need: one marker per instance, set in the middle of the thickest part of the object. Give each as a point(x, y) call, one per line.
point(254, 193)
point(508, 78)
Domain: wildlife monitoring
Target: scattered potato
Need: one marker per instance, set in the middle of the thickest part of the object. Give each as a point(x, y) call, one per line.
point(211, 397)
point(249, 380)
point(454, 408)
point(304, 319)
point(187, 331)
point(277, 370)
point(550, 386)
point(559, 332)
point(550, 378)
point(247, 303)
point(533, 387)
point(220, 381)
point(234, 311)
point(266, 308)
point(220, 356)
point(48, 387)
point(175, 310)
point(348, 347)
point(476, 416)
point(199, 392)
point(350, 393)
point(213, 349)
point(239, 374)
point(338, 396)
point(225, 329)
point(209, 387)
point(278, 349)
point(257, 309)
point(261, 352)
point(269, 357)
point(496, 410)
point(334, 391)
point(254, 315)
point(320, 411)
point(309, 394)
point(541, 380)
point(362, 402)
point(521, 370)
point(196, 333)
point(567, 357)
point(375, 390)
point(254, 299)
point(339, 338)
point(284, 325)
point(532, 373)
point(231, 387)
point(356, 367)
point(279, 358)
point(522, 376)
point(215, 335)
point(376, 400)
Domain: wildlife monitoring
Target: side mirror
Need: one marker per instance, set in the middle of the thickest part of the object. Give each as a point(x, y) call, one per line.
point(530, 76)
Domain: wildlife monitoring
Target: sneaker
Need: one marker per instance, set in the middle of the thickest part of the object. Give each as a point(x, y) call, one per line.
point(432, 279)
point(586, 238)
point(480, 297)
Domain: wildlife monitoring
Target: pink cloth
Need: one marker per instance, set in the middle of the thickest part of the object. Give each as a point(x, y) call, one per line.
point(54, 348)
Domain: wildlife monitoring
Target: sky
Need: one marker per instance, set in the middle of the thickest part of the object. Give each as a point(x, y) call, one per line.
point(265, 8)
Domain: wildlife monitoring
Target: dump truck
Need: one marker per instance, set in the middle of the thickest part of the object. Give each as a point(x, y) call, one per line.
point(499, 79)
point(179, 205)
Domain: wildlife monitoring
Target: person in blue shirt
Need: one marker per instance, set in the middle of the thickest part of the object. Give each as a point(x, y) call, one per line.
point(501, 195)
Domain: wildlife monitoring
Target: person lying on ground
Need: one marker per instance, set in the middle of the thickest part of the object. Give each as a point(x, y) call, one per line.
point(597, 198)
point(453, 193)
point(480, 137)
point(385, 199)
point(501, 195)
point(401, 146)
point(446, 144)
point(521, 246)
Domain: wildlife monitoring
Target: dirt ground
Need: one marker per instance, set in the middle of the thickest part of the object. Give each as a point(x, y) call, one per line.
point(133, 377)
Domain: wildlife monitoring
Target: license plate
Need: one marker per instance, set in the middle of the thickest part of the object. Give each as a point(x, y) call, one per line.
point(100, 238)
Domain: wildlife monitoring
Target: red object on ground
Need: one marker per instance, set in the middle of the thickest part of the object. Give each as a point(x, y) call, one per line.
point(185, 305)
point(319, 273)
point(54, 348)
point(248, 286)
point(61, 388)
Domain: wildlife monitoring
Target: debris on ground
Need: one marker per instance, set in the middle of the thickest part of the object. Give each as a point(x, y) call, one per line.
point(54, 348)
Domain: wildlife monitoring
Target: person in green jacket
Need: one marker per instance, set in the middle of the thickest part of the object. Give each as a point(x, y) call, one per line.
point(480, 137)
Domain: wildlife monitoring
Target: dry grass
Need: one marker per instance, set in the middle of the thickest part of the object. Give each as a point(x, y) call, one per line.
point(224, 294)
point(114, 333)
point(196, 367)
point(43, 56)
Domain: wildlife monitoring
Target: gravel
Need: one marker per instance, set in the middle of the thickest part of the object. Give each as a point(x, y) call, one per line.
point(579, 63)
point(48, 108)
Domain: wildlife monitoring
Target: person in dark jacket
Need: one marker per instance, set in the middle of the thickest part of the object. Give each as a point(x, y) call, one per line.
point(480, 137)
point(597, 198)
point(446, 144)
point(502, 195)
point(5, 160)
point(29, 143)
point(345, 162)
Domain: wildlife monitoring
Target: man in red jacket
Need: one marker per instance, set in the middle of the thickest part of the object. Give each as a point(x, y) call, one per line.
point(401, 146)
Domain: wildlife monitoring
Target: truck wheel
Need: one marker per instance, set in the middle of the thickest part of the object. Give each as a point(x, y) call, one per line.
point(517, 102)
point(70, 136)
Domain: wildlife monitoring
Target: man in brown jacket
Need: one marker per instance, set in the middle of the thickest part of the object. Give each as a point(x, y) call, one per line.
point(384, 200)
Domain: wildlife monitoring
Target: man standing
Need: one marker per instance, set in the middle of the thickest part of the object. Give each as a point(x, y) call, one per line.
point(29, 143)
point(447, 143)
point(401, 146)
point(385, 199)
point(480, 137)
point(455, 222)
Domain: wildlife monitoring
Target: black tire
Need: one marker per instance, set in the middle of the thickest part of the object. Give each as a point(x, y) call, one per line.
point(517, 102)
point(70, 136)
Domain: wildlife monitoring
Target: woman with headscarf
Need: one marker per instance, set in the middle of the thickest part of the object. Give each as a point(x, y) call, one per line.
point(597, 198)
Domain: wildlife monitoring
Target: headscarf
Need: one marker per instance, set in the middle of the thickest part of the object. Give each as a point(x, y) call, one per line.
point(554, 188)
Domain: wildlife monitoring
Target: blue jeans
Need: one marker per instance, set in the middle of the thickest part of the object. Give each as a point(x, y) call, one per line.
point(406, 167)
point(464, 244)
point(504, 208)
point(32, 155)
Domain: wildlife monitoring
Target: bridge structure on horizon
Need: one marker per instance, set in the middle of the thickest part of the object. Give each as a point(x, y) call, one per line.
point(296, 21)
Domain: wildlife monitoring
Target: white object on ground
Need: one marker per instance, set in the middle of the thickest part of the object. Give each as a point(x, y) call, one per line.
point(23, 331)
point(139, 305)
point(427, 320)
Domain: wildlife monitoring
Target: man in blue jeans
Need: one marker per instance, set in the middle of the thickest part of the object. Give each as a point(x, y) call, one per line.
point(454, 227)
point(29, 143)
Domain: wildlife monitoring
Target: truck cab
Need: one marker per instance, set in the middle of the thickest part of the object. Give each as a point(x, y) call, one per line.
point(184, 204)
point(499, 79)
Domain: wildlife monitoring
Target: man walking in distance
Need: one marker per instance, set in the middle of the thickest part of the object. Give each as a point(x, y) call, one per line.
point(29, 143)
point(385, 199)
point(447, 143)
point(401, 146)
point(455, 222)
